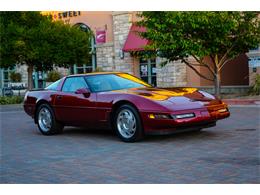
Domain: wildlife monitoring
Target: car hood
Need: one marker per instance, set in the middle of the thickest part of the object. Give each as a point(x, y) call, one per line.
point(181, 98)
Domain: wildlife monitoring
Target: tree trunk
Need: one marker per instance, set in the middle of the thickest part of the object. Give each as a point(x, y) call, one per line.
point(217, 84)
point(30, 80)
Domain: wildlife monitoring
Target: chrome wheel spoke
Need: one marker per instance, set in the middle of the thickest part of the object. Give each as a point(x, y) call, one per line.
point(44, 119)
point(126, 123)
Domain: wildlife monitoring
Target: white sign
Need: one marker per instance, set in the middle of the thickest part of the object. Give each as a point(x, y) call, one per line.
point(154, 70)
point(254, 62)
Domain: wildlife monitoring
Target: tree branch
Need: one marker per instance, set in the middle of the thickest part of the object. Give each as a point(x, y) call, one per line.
point(204, 65)
point(196, 71)
point(225, 63)
point(216, 60)
point(213, 61)
point(224, 56)
point(222, 62)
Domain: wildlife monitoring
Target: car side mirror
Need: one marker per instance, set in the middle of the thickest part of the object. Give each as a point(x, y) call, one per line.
point(83, 91)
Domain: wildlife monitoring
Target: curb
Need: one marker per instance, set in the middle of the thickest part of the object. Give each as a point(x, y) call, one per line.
point(242, 101)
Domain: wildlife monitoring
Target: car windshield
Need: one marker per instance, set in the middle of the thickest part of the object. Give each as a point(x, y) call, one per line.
point(110, 82)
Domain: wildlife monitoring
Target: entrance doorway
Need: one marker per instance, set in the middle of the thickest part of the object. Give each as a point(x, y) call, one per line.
point(148, 70)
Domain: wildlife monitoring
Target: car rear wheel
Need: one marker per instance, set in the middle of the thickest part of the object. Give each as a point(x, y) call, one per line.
point(46, 121)
point(128, 124)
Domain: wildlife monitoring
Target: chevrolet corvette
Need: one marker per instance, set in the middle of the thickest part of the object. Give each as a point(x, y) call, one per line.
point(122, 102)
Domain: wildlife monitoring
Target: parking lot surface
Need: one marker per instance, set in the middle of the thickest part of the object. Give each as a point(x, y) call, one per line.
point(227, 153)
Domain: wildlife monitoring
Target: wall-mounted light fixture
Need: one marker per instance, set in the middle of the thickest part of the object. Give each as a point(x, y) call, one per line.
point(121, 54)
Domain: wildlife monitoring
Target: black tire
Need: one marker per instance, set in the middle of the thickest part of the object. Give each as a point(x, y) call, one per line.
point(139, 133)
point(55, 127)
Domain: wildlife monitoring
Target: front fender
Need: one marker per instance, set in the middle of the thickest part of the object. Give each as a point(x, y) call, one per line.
point(142, 103)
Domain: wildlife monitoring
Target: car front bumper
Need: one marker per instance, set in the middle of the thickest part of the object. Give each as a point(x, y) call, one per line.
point(203, 118)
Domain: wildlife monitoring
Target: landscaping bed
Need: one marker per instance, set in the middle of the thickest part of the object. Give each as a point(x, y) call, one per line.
point(10, 100)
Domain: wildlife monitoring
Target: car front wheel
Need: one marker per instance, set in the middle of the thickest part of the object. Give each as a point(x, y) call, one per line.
point(46, 121)
point(128, 124)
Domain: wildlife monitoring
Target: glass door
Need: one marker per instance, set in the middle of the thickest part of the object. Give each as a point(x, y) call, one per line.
point(148, 70)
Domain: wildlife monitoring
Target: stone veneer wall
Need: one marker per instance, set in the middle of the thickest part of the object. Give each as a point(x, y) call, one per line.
point(105, 56)
point(252, 75)
point(173, 74)
point(22, 69)
point(121, 27)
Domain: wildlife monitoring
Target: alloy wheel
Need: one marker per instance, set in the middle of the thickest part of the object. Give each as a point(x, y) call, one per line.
point(44, 119)
point(126, 123)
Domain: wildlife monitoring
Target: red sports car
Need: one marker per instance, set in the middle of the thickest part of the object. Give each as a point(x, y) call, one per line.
point(122, 102)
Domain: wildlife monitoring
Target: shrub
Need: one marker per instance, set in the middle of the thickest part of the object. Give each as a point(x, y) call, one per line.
point(53, 76)
point(15, 77)
point(256, 87)
point(99, 69)
point(10, 100)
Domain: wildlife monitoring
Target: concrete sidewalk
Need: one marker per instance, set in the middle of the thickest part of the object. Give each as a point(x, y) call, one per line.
point(244, 100)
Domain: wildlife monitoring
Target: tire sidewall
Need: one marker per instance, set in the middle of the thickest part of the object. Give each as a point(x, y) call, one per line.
point(139, 127)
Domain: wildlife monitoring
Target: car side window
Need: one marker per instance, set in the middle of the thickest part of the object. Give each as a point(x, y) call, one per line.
point(72, 84)
point(53, 86)
point(99, 83)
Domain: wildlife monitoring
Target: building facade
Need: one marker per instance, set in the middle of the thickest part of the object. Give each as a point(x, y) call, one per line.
point(254, 64)
point(112, 47)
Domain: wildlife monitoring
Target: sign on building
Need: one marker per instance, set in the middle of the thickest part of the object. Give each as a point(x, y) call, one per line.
point(100, 36)
point(254, 62)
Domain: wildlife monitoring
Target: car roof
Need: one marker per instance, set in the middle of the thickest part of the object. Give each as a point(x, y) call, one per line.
point(94, 73)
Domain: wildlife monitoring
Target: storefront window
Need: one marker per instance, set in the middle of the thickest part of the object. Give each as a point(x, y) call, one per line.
point(148, 70)
point(80, 69)
point(6, 76)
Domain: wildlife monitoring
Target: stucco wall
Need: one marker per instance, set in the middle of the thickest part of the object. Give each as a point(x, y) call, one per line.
point(96, 20)
point(234, 72)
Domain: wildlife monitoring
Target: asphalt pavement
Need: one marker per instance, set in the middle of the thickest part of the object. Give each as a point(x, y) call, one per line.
point(227, 153)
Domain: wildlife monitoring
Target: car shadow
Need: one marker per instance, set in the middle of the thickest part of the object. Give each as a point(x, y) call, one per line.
point(90, 132)
point(109, 134)
point(190, 135)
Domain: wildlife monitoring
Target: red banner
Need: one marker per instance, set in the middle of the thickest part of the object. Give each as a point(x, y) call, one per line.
point(100, 36)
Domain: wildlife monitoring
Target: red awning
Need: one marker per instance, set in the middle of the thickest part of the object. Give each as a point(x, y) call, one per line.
point(134, 42)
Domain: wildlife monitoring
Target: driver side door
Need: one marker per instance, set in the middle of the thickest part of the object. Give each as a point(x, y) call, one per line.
point(75, 109)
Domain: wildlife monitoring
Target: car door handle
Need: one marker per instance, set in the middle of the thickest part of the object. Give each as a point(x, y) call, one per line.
point(59, 97)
